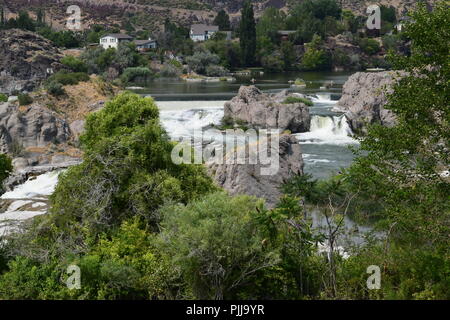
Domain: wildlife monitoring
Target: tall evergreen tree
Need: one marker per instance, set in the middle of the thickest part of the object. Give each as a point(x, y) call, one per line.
point(223, 21)
point(247, 33)
point(2, 18)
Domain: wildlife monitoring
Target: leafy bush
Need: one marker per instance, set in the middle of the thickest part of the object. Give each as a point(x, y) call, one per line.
point(74, 64)
point(369, 46)
point(272, 63)
point(391, 42)
point(201, 60)
point(68, 78)
point(25, 99)
point(127, 169)
point(216, 71)
point(315, 58)
point(290, 100)
point(136, 74)
point(55, 88)
point(170, 70)
point(300, 82)
point(216, 242)
point(5, 168)
point(3, 97)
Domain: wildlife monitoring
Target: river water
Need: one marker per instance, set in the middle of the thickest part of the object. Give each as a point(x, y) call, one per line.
point(186, 106)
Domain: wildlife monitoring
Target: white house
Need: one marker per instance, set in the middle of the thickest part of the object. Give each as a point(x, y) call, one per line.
point(143, 45)
point(113, 40)
point(202, 32)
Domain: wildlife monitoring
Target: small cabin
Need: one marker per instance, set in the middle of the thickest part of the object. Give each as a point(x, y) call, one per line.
point(145, 45)
point(202, 32)
point(113, 40)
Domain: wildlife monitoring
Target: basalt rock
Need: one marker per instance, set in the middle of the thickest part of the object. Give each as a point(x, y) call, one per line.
point(30, 126)
point(250, 179)
point(263, 111)
point(26, 60)
point(363, 99)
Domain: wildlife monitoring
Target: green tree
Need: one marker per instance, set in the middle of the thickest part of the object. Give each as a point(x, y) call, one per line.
point(127, 169)
point(403, 167)
point(247, 34)
point(223, 21)
point(24, 21)
point(288, 54)
point(217, 243)
point(5, 168)
point(315, 58)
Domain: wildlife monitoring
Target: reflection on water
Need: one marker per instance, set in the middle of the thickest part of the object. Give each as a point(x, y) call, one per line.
point(170, 89)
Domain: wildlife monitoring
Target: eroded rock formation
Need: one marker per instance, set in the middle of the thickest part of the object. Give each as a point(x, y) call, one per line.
point(260, 110)
point(26, 60)
point(249, 179)
point(363, 99)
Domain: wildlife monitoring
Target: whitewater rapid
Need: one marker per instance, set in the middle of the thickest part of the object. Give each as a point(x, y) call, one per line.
point(27, 200)
point(325, 146)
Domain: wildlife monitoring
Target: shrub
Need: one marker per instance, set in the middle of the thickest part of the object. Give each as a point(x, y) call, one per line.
point(369, 46)
point(315, 59)
point(272, 63)
point(69, 78)
point(74, 64)
point(216, 243)
point(55, 88)
point(216, 71)
point(127, 168)
point(169, 70)
point(5, 168)
point(136, 74)
point(300, 82)
point(3, 97)
point(201, 60)
point(290, 100)
point(25, 99)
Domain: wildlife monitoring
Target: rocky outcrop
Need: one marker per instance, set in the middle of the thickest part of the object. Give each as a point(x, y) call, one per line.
point(30, 126)
point(26, 60)
point(363, 99)
point(260, 110)
point(251, 180)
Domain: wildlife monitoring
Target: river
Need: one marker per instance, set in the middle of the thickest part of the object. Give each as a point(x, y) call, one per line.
point(186, 106)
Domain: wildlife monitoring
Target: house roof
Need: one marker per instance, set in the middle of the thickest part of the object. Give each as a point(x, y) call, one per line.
point(286, 32)
point(118, 36)
point(202, 28)
point(142, 42)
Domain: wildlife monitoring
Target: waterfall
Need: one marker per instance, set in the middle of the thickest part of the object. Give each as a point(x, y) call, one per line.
point(328, 130)
point(324, 98)
point(181, 118)
point(26, 200)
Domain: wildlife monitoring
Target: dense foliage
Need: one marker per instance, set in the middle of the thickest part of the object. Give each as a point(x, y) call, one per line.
point(5, 168)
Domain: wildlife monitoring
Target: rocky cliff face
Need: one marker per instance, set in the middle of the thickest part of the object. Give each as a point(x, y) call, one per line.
point(363, 98)
point(26, 59)
point(30, 126)
point(261, 110)
point(247, 178)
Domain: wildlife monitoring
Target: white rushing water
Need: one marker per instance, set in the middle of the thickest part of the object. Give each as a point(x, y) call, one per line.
point(324, 98)
point(27, 200)
point(328, 130)
point(181, 118)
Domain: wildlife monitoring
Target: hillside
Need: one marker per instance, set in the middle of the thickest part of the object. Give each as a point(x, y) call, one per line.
point(150, 14)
